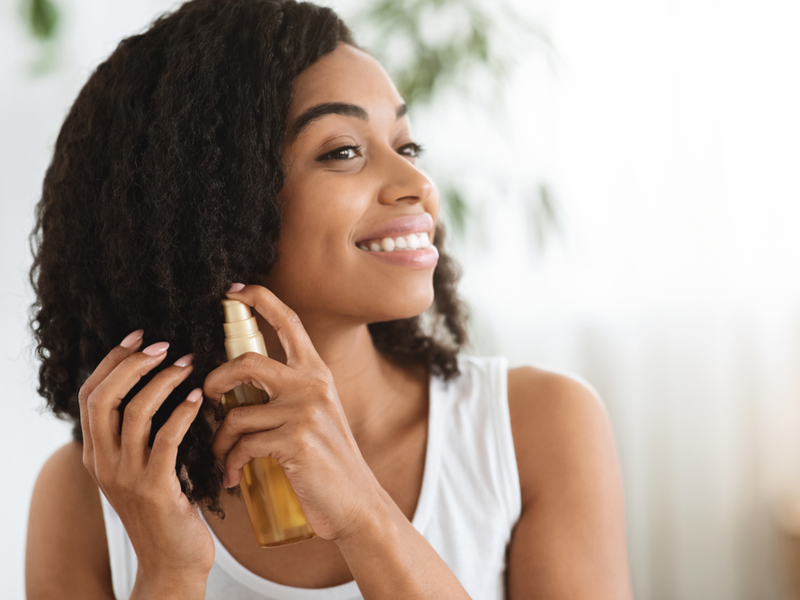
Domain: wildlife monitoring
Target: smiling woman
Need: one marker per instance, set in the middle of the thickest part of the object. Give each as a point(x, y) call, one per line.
point(253, 141)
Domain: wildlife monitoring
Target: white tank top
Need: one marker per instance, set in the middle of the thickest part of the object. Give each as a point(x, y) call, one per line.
point(468, 505)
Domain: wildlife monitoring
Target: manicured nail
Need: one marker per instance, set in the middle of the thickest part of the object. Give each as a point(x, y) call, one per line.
point(184, 361)
point(194, 395)
point(236, 287)
point(156, 349)
point(132, 339)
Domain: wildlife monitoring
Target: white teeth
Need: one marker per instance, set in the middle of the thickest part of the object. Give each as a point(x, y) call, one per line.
point(413, 241)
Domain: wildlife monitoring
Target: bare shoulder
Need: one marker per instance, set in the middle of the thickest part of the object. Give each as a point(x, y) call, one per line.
point(66, 553)
point(557, 421)
point(570, 539)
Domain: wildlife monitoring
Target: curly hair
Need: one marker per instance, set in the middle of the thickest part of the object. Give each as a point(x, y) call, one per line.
point(163, 190)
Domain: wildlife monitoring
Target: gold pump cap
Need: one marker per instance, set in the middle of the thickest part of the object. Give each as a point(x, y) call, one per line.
point(241, 330)
point(235, 311)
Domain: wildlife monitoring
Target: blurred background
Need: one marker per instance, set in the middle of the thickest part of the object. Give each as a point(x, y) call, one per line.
point(622, 187)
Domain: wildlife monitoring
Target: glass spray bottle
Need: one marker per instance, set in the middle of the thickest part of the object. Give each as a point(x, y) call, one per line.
point(275, 512)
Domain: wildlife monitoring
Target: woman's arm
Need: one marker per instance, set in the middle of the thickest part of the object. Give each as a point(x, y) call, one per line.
point(570, 539)
point(173, 546)
point(304, 427)
point(66, 554)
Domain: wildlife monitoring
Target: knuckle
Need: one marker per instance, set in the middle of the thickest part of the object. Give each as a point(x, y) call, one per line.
point(92, 401)
point(246, 449)
point(167, 436)
point(311, 412)
point(246, 445)
point(143, 363)
point(322, 388)
point(291, 317)
point(164, 384)
point(249, 361)
point(133, 413)
point(321, 391)
point(303, 435)
point(235, 419)
point(83, 394)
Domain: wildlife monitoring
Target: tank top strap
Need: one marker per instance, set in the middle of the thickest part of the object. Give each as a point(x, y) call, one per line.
point(470, 433)
point(121, 556)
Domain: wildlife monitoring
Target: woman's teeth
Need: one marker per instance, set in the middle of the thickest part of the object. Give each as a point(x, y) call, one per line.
point(412, 241)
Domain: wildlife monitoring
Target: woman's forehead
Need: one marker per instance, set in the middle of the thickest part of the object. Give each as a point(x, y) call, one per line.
point(346, 75)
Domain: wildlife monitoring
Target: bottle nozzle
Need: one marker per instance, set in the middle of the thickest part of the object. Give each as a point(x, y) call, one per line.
point(235, 311)
point(241, 330)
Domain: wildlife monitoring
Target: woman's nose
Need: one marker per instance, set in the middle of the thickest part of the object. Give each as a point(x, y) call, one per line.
point(403, 181)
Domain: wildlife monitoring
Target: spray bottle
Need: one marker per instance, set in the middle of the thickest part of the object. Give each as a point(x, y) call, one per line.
point(275, 512)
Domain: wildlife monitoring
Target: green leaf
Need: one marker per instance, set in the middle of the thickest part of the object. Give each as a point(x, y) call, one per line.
point(456, 208)
point(42, 18)
point(543, 218)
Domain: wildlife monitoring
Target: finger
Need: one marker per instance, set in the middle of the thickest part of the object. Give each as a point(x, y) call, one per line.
point(126, 347)
point(138, 417)
point(165, 446)
point(263, 444)
point(103, 404)
point(249, 368)
point(293, 337)
point(243, 420)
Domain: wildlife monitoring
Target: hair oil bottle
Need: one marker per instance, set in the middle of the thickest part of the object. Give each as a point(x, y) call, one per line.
point(275, 512)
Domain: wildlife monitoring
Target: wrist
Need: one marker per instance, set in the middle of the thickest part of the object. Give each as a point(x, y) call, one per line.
point(380, 522)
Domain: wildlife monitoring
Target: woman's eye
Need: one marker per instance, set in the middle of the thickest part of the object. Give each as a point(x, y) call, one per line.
point(343, 153)
point(413, 150)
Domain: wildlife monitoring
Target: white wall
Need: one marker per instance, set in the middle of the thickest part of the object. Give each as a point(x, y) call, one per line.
point(669, 133)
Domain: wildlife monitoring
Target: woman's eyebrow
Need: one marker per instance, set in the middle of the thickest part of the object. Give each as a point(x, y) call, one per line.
point(334, 108)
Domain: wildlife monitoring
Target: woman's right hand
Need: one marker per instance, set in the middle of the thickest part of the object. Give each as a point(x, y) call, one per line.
point(173, 546)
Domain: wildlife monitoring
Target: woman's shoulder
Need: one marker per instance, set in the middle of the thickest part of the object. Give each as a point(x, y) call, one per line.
point(537, 392)
point(559, 423)
point(67, 553)
point(572, 523)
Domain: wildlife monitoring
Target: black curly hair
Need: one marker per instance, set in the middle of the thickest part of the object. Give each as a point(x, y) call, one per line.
point(163, 191)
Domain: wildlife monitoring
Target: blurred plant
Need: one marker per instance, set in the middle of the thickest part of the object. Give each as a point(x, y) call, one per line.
point(42, 18)
point(431, 46)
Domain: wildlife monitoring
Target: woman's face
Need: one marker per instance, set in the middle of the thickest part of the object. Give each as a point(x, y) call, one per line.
point(351, 181)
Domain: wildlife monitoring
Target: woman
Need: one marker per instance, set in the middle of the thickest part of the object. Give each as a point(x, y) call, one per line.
point(253, 141)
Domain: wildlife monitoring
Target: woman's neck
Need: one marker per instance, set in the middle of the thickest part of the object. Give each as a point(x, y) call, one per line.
point(370, 386)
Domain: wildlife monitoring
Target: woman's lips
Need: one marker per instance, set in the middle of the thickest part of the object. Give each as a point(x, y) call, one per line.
point(401, 226)
point(424, 258)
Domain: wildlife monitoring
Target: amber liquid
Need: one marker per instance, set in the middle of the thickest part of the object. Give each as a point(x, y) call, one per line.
point(275, 512)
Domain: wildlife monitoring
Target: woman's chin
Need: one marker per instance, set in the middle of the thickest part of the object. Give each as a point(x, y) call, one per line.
point(405, 310)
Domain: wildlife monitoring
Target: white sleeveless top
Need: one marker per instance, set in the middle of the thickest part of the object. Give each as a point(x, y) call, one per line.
point(468, 505)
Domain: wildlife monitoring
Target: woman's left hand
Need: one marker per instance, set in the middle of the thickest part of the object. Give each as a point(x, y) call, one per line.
point(303, 426)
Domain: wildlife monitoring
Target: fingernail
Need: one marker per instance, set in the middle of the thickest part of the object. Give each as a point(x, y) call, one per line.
point(156, 349)
point(132, 339)
point(236, 287)
point(220, 467)
point(184, 361)
point(194, 395)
